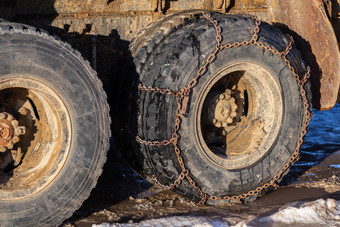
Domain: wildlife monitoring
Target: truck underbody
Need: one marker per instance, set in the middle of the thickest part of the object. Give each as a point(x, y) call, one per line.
point(108, 26)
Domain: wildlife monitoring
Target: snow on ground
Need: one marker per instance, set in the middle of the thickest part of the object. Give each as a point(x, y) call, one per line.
point(318, 212)
point(322, 140)
point(321, 212)
point(174, 221)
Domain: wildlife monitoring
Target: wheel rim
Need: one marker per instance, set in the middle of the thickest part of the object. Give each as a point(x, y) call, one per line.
point(238, 115)
point(42, 149)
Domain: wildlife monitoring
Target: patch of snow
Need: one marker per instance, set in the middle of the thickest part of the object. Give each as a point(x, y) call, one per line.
point(241, 224)
point(335, 166)
point(321, 211)
point(174, 221)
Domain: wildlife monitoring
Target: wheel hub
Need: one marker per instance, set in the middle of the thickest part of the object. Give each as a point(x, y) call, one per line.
point(9, 131)
point(222, 109)
point(253, 90)
point(9, 135)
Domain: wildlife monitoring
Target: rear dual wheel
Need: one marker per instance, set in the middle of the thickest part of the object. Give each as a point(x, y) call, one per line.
point(54, 130)
point(245, 115)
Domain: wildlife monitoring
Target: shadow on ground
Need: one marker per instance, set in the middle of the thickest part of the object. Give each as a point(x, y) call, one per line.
point(119, 182)
point(321, 141)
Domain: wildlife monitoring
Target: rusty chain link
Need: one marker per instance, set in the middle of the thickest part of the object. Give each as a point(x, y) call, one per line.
point(182, 97)
point(156, 90)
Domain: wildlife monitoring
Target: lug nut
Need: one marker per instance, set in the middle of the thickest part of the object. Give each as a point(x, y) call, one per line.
point(218, 124)
point(15, 139)
point(20, 130)
point(9, 117)
point(227, 91)
point(9, 145)
point(2, 149)
point(15, 123)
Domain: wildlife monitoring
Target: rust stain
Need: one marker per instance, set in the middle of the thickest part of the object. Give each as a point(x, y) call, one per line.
point(85, 15)
point(305, 17)
point(310, 25)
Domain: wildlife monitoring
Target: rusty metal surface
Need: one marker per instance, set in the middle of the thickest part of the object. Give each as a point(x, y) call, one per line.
point(9, 131)
point(128, 17)
point(309, 20)
point(335, 14)
point(248, 5)
point(115, 23)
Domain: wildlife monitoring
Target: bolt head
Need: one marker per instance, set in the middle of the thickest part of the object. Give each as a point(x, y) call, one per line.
point(10, 145)
point(9, 117)
point(15, 123)
point(2, 149)
point(218, 124)
point(15, 139)
point(21, 130)
point(227, 91)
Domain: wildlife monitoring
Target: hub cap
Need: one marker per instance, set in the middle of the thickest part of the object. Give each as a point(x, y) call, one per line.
point(238, 116)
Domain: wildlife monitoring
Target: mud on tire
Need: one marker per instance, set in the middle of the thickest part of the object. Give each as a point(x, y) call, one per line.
point(54, 94)
point(226, 155)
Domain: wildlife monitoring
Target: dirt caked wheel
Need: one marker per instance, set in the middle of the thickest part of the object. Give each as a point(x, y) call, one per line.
point(221, 108)
point(54, 128)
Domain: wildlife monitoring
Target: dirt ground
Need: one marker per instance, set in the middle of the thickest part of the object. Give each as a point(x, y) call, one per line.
point(121, 196)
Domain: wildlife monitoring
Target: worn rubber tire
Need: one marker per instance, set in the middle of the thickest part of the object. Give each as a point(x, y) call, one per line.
point(126, 106)
point(172, 62)
point(32, 54)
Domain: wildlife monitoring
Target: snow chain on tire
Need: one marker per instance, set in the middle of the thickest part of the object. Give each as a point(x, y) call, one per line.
point(183, 96)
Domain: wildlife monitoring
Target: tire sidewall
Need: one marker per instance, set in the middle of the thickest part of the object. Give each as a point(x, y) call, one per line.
point(228, 181)
point(54, 64)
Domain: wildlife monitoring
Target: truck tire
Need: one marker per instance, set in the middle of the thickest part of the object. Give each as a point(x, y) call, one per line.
point(126, 106)
point(226, 154)
point(58, 115)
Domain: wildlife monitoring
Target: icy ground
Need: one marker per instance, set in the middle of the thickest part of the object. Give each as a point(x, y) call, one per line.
point(309, 195)
point(320, 212)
